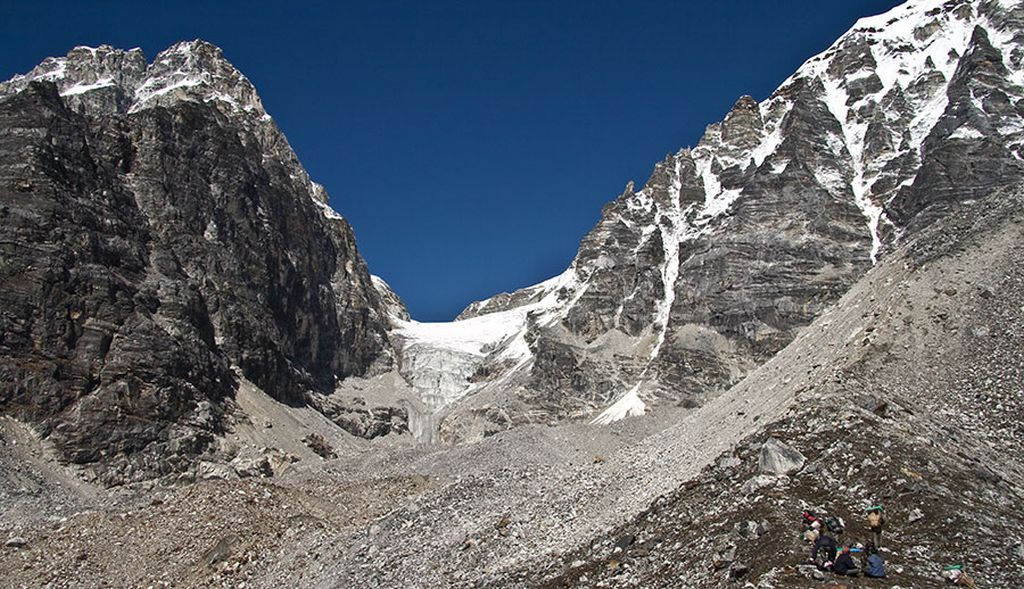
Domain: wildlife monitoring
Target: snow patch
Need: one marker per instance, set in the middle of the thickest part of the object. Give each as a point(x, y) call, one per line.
point(772, 141)
point(57, 73)
point(153, 88)
point(83, 88)
point(477, 336)
point(630, 405)
point(440, 359)
point(966, 132)
point(670, 267)
point(327, 211)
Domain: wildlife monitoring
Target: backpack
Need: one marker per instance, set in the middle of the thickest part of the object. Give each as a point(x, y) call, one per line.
point(835, 524)
point(809, 518)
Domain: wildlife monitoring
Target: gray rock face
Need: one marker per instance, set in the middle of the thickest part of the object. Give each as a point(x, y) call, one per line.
point(730, 248)
point(158, 234)
point(362, 421)
point(393, 306)
point(976, 145)
point(777, 457)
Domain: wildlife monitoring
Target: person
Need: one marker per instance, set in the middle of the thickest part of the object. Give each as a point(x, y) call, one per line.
point(876, 566)
point(812, 533)
point(844, 565)
point(824, 551)
point(875, 523)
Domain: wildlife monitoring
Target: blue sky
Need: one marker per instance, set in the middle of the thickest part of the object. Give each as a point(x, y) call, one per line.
point(470, 143)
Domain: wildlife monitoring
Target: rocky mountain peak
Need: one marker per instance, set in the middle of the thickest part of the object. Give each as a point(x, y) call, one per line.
point(105, 80)
point(94, 79)
point(86, 67)
point(196, 70)
point(214, 260)
point(742, 127)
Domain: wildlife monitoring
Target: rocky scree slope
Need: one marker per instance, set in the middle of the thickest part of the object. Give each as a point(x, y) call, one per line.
point(906, 393)
point(160, 239)
point(733, 246)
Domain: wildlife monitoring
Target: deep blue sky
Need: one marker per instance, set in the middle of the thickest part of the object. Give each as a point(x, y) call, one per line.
point(471, 144)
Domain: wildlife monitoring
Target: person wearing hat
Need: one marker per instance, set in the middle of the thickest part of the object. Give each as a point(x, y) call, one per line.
point(875, 523)
point(844, 565)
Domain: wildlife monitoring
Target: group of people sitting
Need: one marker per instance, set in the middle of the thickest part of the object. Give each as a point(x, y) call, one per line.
point(855, 559)
point(821, 533)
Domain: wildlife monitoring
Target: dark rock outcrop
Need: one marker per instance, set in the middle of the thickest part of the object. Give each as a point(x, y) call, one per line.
point(158, 234)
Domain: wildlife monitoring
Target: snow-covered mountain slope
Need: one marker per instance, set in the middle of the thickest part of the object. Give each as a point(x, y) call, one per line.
point(734, 245)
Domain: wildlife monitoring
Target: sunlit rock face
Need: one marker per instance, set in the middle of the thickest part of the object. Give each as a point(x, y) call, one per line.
point(160, 238)
point(733, 246)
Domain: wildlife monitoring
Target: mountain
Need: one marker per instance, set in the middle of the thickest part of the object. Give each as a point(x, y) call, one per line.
point(732, 247)
point(161, 244)
point(818, 307)
point(177, 252)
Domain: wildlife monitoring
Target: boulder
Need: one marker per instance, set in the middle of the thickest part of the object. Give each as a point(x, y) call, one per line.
point(738, 570)
point(625, 541)
point(319, 445)
point(725, 557)
point(213, 470)
point(220, 551)
point(758, 482)
point(257, 467)
point(779, 458)
point(729, 462)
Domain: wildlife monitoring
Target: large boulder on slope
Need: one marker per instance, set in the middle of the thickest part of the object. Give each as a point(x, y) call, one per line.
point(779, 458)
